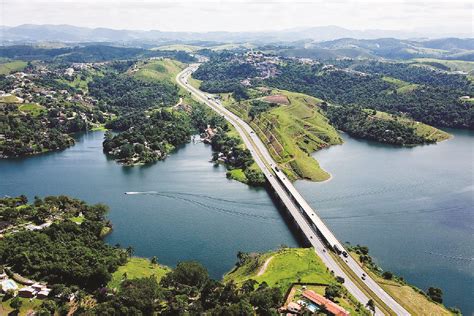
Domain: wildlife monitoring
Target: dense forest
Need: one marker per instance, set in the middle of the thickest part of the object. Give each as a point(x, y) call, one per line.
point(87, 53)
point(222, 73)
point(125, 92)
point(146, 139)
point(63, 253)
point(435, 100)
point(74, 260)
point(361, 123)
point(44, 130)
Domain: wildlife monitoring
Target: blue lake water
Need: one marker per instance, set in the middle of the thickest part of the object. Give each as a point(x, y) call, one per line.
point(413, 207)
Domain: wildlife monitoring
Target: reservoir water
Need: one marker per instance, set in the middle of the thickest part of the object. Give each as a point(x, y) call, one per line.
point(413, 207)
point(188, 209)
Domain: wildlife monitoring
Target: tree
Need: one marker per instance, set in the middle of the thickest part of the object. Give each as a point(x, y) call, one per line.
point(371, 305)
point(16, 303)
point(436, 294)
point(387, 275)
point(154, 260)
point(129, 251)
point(333, 291)
point(190, 273)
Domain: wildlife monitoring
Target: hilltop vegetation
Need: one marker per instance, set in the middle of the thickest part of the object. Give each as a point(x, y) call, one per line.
point(63, 253)
point(287, 266)
point(146, 139)
point(87, 53)
point(12, 66)
point(382, 127)
point(292, 132)
point(435, 101)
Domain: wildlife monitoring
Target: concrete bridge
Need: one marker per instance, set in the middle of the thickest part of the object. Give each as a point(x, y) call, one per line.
point(314, 230)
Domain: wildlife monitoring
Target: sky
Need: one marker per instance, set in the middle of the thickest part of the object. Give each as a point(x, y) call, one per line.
point(455, 16)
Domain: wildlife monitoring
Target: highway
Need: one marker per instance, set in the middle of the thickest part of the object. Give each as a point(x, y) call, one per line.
point(310, 224)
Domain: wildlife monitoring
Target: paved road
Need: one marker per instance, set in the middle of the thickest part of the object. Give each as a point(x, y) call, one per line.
point(316, 232)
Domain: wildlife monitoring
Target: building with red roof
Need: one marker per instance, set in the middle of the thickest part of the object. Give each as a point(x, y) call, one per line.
point(329, 305)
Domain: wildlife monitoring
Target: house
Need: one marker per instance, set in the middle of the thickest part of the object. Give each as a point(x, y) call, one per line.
point(44, 293)
point(329, 305)
point(27, 292)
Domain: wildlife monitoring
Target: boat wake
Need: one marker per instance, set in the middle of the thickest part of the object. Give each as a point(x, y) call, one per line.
point(143, 192)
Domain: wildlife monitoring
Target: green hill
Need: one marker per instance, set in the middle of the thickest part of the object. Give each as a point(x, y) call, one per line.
point(293, 126)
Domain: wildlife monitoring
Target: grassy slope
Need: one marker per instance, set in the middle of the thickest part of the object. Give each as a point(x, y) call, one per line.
point(287, 266)
point(422, 129)
point(33, 109)
point(10, 99)
point(159, 70)
point(78, 83)
point(137, 268)
point(412, 299)
point(12, 66)
point(182, 47)
point(454, 65)
point(292, 132)
point(27, 306)
point(402, 86)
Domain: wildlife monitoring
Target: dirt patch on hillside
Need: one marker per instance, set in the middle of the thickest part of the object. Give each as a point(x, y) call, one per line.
point(278, 99)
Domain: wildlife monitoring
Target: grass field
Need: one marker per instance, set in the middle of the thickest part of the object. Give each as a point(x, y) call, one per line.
point(412, 300)
point(137, 268)
point(33, 109)
point(159, 70)
point(421, 129)
point(12, 66)
point(454, 65)
point(288, 265)
point(402, 86)
point(292, 132)
point(27, 306)
point(181, 47)
point(78, 82)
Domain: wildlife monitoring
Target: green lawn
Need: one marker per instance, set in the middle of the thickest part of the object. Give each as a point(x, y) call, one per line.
point(288, 265)
point(77, 219)
point(12, 66)
point(237, 174)
point(137, 268)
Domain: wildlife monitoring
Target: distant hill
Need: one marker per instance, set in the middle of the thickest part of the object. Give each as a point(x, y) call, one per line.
point(390, 48)
point(68, 33)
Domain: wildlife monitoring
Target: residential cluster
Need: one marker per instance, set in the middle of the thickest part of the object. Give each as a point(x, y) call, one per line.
point(30, 289)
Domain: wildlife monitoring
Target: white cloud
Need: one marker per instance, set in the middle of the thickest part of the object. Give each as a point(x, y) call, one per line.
point(242, 15)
